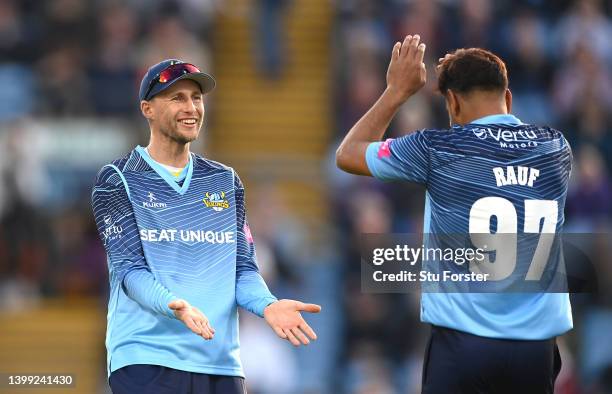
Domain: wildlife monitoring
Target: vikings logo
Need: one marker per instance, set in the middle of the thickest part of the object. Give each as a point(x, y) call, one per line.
point(216, 201)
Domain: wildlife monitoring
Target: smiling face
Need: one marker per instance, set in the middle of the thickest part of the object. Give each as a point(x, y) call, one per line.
point(177, 112)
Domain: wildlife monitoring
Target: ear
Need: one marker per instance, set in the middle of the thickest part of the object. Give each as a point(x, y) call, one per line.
point(509, 101)
point(147, 109)
point(454, 104)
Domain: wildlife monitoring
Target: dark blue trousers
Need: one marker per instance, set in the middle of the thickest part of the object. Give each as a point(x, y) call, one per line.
point(155, 379)
point(460, 363)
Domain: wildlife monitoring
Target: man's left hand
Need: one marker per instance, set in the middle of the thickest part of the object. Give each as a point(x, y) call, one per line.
point(285, 319)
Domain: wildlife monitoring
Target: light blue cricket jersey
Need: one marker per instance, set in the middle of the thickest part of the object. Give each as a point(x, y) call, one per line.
point(457, 167)
point(175, 237)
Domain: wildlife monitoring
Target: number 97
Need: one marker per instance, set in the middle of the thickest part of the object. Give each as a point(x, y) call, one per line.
point(504, 241)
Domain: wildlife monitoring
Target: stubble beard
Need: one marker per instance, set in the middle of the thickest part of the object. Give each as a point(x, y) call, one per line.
point(173, 134)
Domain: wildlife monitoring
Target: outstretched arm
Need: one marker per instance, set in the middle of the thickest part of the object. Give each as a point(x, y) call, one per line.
point(405, 76)
point(252, 293)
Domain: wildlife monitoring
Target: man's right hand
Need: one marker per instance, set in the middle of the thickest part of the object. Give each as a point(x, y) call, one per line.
point(405, 76)
point(406, 73)
point(193, 318)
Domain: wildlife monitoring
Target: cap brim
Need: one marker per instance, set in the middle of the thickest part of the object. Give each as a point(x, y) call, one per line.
point(207, 82)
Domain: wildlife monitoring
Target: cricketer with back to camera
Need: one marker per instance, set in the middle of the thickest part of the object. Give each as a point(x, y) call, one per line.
point(479, 342)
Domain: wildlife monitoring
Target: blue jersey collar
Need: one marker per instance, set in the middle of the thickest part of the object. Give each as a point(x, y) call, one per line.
point(498, 119)
point(165, 174)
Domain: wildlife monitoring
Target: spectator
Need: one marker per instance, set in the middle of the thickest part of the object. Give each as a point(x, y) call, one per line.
point(113, 68)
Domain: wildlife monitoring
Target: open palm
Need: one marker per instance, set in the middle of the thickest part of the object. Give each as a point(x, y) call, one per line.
point(287, 322)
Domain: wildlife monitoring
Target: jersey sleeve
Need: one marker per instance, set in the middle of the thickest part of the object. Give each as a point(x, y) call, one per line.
point(569, 158)
point(252, 293)
point(405, 158)
point(118, 231)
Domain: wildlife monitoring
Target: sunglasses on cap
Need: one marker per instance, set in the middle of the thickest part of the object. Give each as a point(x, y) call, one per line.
point(170, 73)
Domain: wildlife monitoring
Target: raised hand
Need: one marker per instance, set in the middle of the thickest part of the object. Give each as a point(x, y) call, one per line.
point(285, 319)
point(193, 318)
point(406, 73)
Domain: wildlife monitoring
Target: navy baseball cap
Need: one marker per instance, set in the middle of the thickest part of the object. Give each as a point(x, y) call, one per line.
point(163, 74)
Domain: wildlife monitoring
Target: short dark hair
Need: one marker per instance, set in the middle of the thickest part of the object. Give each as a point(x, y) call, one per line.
point(466, 70)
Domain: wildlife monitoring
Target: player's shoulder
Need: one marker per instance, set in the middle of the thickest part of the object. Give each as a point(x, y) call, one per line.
point(114, 172)
point(111, 177)
point(111, 173)
point(423, 141)
point(550, 133)
point(432, 135)
point(203, 163)
point(429, 137)
point(209, 166)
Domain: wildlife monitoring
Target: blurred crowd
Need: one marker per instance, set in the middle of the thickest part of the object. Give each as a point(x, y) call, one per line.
point(78, 58)
point(71, 59)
